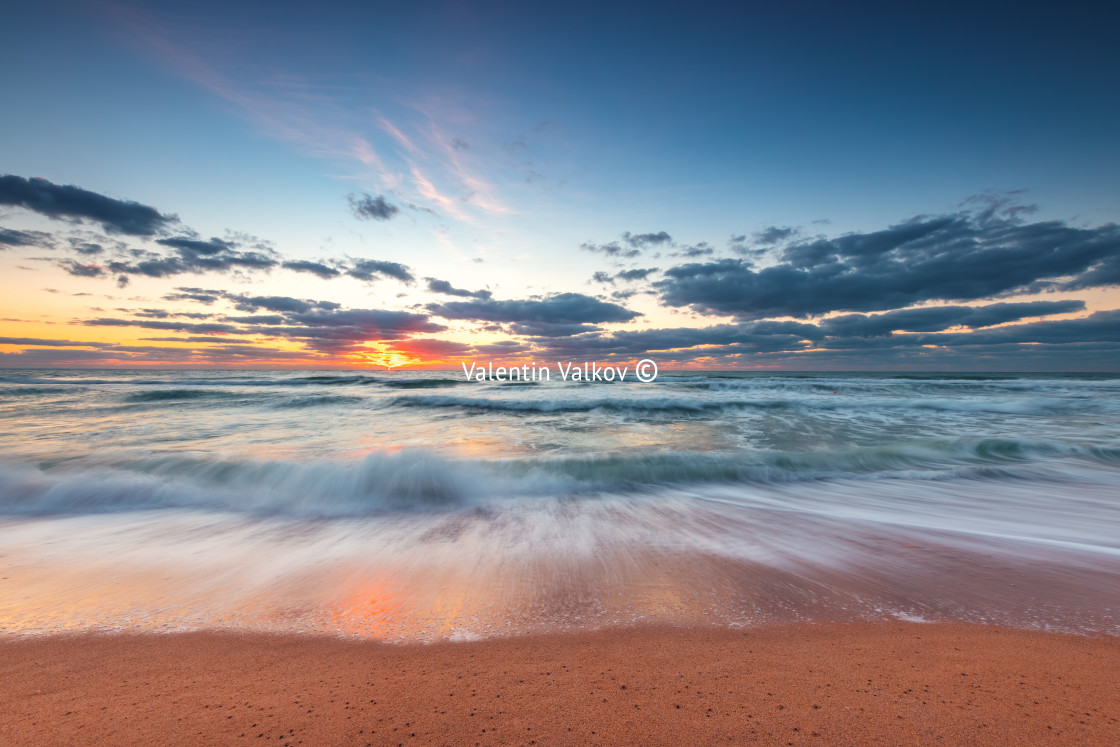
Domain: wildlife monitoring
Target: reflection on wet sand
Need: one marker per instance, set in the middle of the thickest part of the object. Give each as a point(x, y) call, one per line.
point(515, 567)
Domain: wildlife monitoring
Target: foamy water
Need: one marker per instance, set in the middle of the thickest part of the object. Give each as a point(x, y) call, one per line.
point(420, 506)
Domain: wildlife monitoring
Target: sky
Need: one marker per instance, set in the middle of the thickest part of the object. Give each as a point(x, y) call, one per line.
point(795, 186)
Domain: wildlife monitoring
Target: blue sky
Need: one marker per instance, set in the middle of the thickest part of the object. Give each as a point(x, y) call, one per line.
point(508, 136)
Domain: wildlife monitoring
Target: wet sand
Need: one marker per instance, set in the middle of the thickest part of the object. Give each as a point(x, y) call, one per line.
point(852, 683)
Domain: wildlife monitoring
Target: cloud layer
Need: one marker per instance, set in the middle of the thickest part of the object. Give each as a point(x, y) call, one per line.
point(946, 289)
point(961, 257)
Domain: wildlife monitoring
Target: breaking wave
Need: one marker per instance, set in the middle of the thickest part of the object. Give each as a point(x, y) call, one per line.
point(421, 480)
point(1011, 406)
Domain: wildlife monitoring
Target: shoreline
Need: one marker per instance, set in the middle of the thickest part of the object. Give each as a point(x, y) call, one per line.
point(831, 683)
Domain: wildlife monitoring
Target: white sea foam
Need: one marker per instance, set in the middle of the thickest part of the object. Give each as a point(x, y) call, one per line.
point(391, 504)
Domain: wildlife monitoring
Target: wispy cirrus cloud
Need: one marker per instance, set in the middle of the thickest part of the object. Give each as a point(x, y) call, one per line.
point(426, 167)
point(282, 106)
point(477, 191)
point(432, 155)
point(428, 192)
point(399, 136)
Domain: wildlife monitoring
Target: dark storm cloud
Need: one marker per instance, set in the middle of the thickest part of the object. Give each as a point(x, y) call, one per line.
point(153, 268)
point(81, 270)
point(218, 255)
point(280, 304)
point(636, 274)
point(551, 329)
point(193, 255)
point(635, 242)
point(149, 313)
point(197, 247)
point(502, 347)
point(375, 323)
point(937, 318)
point(192, 327)
point(322, 326)
point(315, 268)
point(771, 235)
point(188, 253)
point(37, 357)
point(370, 269)
point(564, 308)
point(272, 319)
point(703, 249)
point(762, 336)
point(12, 237)
point(858, 332)
point(447, 289)
point(70, 202)
point(249, 303)
point(1099, 327)
point(965, 256)
point(39, 342)
point(613, 249)
point(341, 330)
point(181, 254)
point(224, 340)
point(87, 248)
point(642, 240)
point(123, 354)
point(1099, 332)
point(1105, 273)
point(201, 295)
point(368, 207)
point(626, 276)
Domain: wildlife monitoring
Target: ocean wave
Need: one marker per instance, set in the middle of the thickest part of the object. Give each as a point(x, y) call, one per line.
point(63, 381)
point(376, 484)
point(892, 387)
point(420, 480)
point(420, 383)
point(391, 381)
point(645, 404)
point(642, 404)
point(177, 395)
point(320, 400)
point(36, 391)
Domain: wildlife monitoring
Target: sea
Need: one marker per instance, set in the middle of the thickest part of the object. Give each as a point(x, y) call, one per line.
point(414, 506)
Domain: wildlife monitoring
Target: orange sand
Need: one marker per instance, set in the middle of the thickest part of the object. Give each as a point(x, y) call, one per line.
point(884, 683)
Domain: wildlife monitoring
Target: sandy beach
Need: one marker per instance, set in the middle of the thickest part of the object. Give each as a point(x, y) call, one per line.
point(862, 683)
